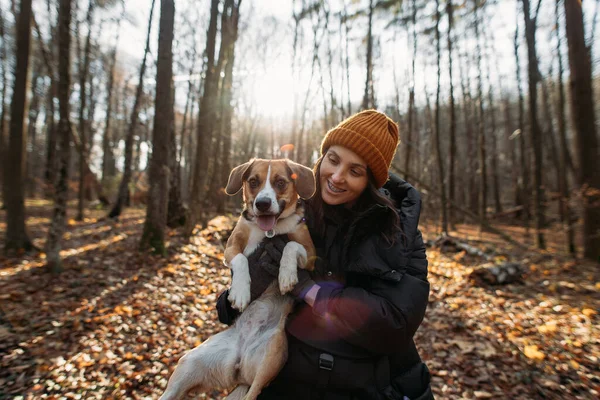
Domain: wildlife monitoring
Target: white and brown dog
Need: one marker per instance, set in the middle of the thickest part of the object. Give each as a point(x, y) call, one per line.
point(251, 353)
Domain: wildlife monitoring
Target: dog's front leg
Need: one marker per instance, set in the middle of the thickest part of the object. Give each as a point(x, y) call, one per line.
point(239, 293)
point(293, 254)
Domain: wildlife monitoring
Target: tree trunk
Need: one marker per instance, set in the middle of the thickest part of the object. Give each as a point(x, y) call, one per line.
point(493, 131)
point(17, 238)
point(369, 95)
point(227, 107)
point(156, 211)
point(206, 116)
point(411, 94)
point(582, 113)
point(522, 191)
point(535, 134)
point(346, 42)
point(3, 138)
point(175, 210)
point(57, 226)
point(83, 75)
point(438, 149)
point(124, 185)
point(564, 145)
point(468, 112)
point(108, 157)
point(481, 126)
point(452, 169)
point(34, 112)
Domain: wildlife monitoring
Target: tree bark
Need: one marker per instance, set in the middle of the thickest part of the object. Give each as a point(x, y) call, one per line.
point(83, 75)
point(57, 226)
point(3, 138)
point(226, 102)
point(108, 157)
point(411, 93)
point(34, 112)
point(438, 150)
point(124, 185)
point(470, 157)
point(522, 191)
point(564, 145)
point(17, 238)
point(481, 126)
point(452, 169)
point(583, 116)
point(535, 135)
point(368, 97)
point(156, 211)
point(206, 115)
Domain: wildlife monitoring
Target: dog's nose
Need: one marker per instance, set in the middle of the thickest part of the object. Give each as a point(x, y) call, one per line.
point(263, 204)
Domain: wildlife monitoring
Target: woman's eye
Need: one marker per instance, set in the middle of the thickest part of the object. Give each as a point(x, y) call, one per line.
point(355, 172)
point(333, 160)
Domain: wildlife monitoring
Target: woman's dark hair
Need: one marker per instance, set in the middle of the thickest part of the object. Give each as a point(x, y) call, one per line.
point(370, 196)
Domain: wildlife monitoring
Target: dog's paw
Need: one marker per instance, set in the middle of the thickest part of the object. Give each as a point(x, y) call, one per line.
point(287, 280)
point(239, 296)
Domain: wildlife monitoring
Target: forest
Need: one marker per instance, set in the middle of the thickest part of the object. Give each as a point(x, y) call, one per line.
point(120, 122)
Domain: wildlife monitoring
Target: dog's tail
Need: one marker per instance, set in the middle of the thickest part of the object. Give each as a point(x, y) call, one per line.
point(238, 393)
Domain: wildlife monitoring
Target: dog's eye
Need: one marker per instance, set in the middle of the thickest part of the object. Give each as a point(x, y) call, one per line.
point(280, 184)
point(253, 182)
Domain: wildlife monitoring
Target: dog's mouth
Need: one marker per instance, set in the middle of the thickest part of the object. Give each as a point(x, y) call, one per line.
point(266, 222)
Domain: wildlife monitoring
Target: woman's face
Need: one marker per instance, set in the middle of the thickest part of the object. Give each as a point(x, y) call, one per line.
point(343, 176)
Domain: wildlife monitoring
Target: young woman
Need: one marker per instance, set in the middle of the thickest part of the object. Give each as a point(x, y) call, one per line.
point(351, 333)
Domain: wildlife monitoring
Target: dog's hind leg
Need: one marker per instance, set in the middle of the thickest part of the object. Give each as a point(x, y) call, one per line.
point(210, 365)
point(239, 393)
point(270, 364)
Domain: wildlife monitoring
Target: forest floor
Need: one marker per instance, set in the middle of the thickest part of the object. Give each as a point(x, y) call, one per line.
point(115, 322)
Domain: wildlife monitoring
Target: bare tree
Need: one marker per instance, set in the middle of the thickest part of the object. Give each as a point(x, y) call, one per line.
point(563, 184)
point(583, 116)
point(535, 134)
point(133, 124)
point(57, 226)
point(206, 115)
point(522, 191)
point(480, 124)
point(107, 150)
point(3, 141)
point(369, 96)
point(158, 196)
point(83, 76)
point(438, 150)
point(16, 234)
point(411, 94)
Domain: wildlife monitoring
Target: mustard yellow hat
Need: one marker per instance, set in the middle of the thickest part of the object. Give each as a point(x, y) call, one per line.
point(370, 134)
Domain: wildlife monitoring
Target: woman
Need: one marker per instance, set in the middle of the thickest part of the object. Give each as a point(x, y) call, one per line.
point(351, 333)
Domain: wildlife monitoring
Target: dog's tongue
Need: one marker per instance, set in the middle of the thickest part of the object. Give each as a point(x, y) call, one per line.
point(266, 222)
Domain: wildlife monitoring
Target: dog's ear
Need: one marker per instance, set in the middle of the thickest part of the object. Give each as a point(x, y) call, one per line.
point(303, 178)
point(236, 178)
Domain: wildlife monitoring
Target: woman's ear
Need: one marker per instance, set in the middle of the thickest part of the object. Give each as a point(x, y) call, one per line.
point(304, 179)
point(236, 178)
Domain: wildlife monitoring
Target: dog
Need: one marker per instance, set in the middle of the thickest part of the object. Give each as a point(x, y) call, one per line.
point(253, 350)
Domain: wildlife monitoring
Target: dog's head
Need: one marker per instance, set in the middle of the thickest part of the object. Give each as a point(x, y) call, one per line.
point(271, 188)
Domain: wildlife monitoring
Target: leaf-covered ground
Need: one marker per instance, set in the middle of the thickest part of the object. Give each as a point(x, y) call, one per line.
point(114, 324)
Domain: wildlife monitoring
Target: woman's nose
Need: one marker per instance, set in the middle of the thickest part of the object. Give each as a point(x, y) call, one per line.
point(337, 176)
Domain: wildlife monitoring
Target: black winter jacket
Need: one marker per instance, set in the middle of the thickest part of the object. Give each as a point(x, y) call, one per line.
point(372, 299)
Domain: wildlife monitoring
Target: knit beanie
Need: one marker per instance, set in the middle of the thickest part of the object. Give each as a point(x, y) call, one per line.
point(370, 134)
